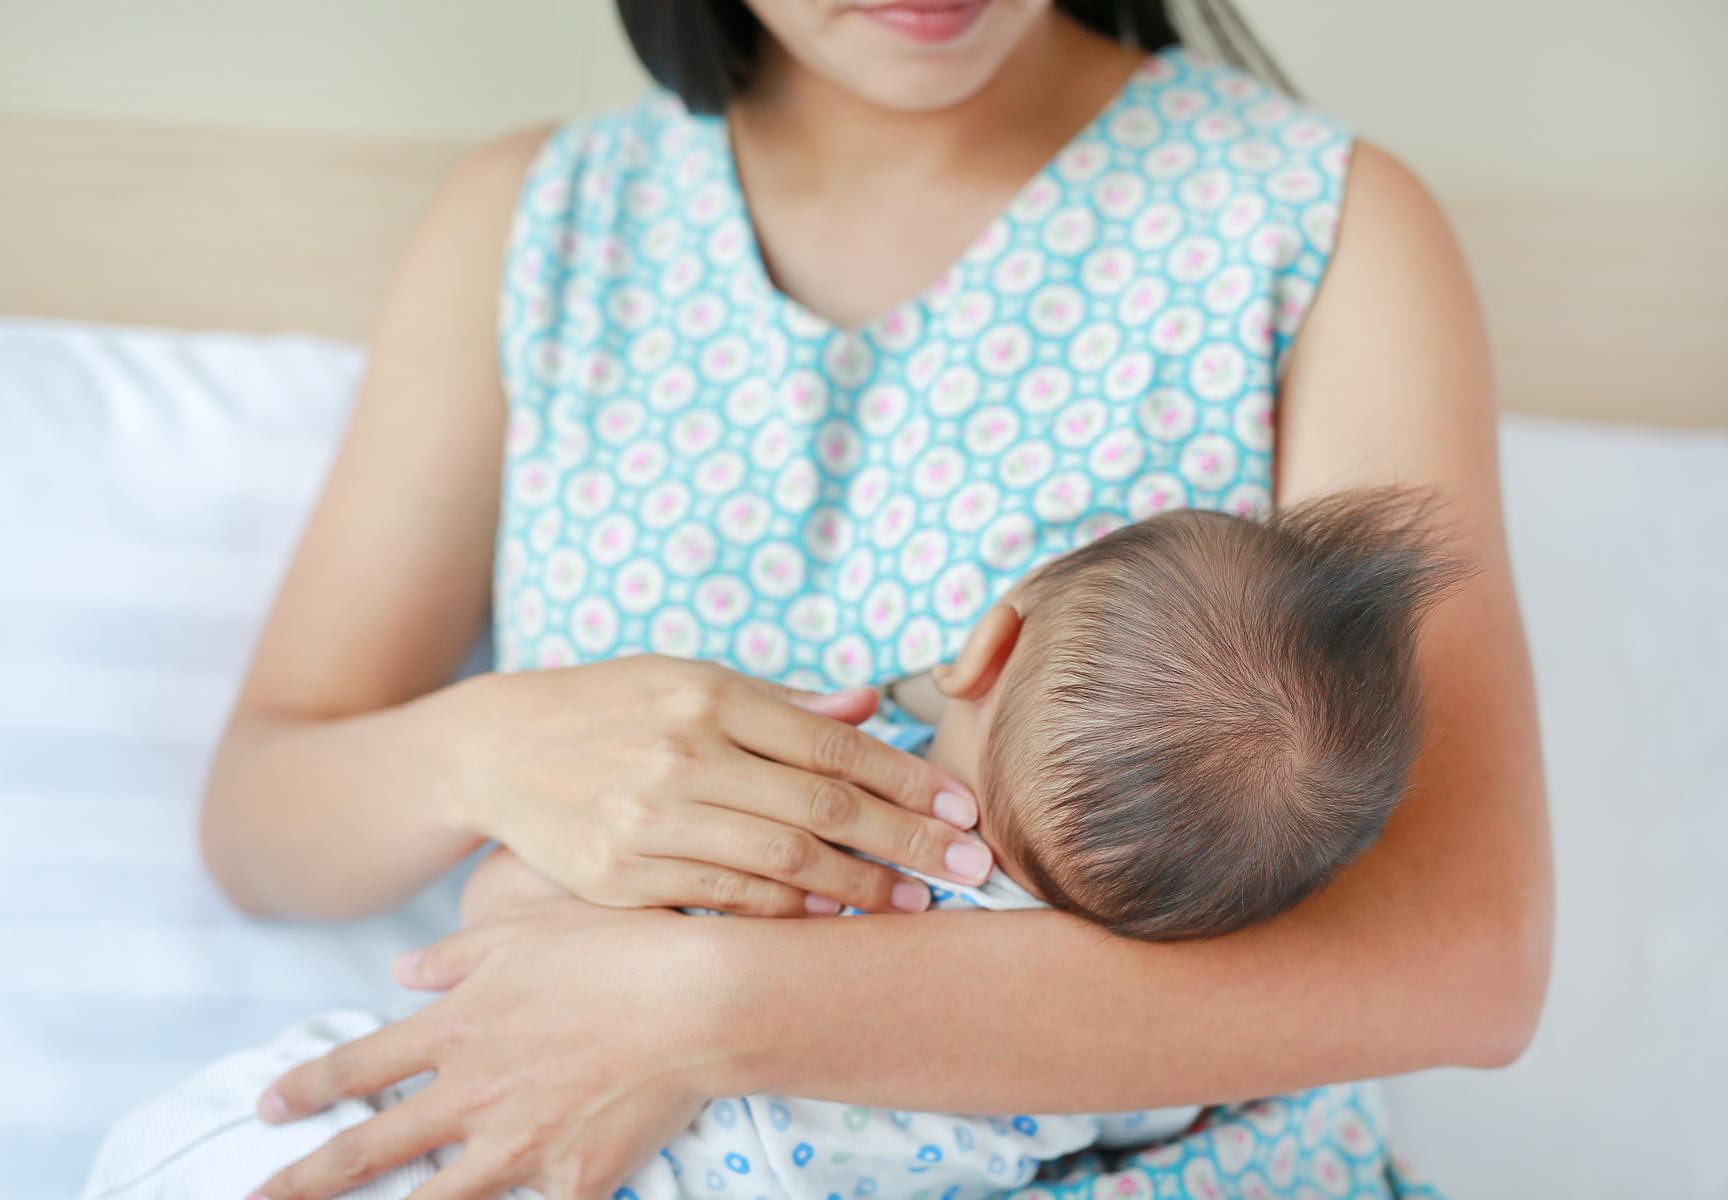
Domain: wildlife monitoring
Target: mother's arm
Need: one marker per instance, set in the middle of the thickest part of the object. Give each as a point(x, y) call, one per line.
point(348, 777)
point(1432, 949)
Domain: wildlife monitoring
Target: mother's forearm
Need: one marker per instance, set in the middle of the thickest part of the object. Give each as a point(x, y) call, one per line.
point(1039, 1012)
point(1432, 949)
point(333, 817)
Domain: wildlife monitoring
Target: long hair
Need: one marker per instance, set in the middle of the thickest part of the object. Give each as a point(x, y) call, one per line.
point(706, 50)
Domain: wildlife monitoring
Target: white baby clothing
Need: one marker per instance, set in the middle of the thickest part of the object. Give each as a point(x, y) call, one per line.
point(202, 1141)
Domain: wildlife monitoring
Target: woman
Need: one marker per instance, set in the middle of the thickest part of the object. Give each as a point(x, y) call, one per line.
point(872, 143)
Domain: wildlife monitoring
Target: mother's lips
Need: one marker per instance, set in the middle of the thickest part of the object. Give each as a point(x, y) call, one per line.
point(927, 20)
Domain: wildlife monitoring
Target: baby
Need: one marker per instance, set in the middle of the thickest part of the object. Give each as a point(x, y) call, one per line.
point(1181, 729)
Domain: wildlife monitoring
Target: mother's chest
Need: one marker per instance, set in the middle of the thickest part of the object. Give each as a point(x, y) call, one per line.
point(835, 507)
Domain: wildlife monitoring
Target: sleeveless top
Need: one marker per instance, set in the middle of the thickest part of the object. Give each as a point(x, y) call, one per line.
point(698, 466)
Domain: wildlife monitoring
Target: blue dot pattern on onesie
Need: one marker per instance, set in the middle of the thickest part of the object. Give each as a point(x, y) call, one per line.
point(1329, 1142)
point(698, 466)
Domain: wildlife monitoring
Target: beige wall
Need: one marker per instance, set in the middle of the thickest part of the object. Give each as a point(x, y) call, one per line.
point(429, 68)
point(1531, 96)
point(1524, 96)
point(1581, 147)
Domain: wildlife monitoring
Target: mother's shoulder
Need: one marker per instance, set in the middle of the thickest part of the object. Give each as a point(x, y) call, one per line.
point(486, 181)
point(1390, 376)
point(1219, 103)
point(504, 162)
point(1385, 197)
point(1393, 235)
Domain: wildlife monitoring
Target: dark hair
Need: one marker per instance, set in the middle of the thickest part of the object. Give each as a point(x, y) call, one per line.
point(1213, 715)
point(706, 50)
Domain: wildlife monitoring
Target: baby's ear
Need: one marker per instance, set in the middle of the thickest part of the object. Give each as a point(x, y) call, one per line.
point(981, 659)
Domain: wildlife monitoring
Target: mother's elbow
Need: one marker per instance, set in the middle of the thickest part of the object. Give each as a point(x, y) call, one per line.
point(1503, 982)
point(220, 828)
point(214, 848)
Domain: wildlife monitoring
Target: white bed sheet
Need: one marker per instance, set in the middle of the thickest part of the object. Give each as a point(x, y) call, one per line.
point(151, 485)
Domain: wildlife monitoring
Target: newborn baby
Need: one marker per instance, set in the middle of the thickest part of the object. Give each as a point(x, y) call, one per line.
point(1176, 731)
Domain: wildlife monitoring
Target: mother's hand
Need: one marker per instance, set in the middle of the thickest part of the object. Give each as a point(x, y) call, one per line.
point(651, 781)
point(538, 1077)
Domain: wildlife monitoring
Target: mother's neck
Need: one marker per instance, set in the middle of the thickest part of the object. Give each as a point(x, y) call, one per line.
point(1054, 81)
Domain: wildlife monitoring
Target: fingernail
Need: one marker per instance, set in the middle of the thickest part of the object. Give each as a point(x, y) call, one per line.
point(403, 967)
point(956, 808)
point(820, 906)
point(909, 897)
point(968, 860)
point(272, 1108)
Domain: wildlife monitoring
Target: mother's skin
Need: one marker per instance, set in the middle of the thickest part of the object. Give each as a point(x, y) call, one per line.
point(574, 1043)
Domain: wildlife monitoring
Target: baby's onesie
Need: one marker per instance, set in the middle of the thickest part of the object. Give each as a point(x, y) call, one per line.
point(202, 1140)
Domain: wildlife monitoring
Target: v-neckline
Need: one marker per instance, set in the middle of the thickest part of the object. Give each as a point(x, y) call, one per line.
point(931, 298)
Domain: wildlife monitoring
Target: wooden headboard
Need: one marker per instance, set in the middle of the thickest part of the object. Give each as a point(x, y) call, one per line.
point(1609, 309)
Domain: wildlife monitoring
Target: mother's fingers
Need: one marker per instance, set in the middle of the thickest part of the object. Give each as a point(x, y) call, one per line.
point(849, 704)
point(838, 811)
point(450, 960)
point(774, 846)
point(849, 815)
point(366, 1150)
point(356, 1068)
point(698, 882)
point(471, 1177)
point(788, 733)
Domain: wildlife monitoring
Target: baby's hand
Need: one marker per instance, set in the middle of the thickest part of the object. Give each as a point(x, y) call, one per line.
point(503, 882)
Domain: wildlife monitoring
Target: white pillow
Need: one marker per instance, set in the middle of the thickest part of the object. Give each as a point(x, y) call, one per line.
point(151, 488)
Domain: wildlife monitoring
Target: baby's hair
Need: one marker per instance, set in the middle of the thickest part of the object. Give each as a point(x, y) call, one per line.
point(1207, 716)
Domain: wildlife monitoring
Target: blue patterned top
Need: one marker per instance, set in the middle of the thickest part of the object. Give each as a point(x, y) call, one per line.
point(699, 466)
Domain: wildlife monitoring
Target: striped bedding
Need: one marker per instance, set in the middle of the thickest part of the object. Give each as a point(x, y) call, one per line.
point(151, 487)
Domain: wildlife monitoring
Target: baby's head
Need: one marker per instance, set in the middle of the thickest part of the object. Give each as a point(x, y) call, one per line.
point(1189, 725)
